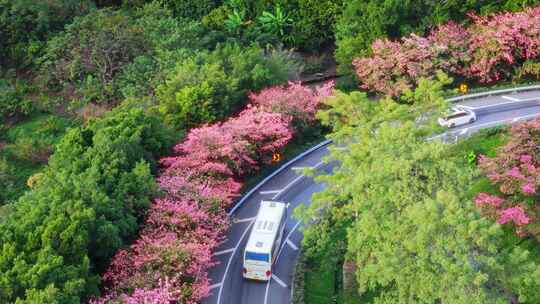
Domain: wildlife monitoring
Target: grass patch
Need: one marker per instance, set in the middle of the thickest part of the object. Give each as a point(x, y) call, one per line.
point(320, 284)
point(25, 150)
point(323, 284)
point(483, 142)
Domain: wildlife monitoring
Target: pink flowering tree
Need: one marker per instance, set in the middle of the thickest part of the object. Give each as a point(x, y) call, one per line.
point(515, 171)
point(501, 43)
point(495, 47)
point(169, 261)
point(294, 100)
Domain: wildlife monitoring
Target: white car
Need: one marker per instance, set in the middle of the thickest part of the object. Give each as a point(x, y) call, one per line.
point(458, 116)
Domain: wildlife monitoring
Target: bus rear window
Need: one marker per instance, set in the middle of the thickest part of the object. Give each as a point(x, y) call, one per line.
point(254, 256)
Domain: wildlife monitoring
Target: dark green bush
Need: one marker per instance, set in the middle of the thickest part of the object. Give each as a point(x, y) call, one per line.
point(8, 181)
point(191, 9)
point(26, 25)
point(311, 22)
point(211, 85)
point(13, 99)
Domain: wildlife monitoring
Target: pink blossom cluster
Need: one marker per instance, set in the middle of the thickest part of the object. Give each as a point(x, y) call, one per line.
point(516, 173)
point(169, 261)
point(485, 199)
point(490, 49)
point(514, 214)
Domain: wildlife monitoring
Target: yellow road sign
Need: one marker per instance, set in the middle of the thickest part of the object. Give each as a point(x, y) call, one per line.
point(463, 88)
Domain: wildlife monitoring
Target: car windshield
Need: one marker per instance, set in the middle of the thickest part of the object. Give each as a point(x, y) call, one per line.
point(456, 115)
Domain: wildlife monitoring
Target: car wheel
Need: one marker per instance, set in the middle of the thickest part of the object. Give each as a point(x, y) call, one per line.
point(472, 120)
point(452, 125)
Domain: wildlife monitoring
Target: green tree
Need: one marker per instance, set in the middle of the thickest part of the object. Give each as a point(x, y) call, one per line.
point(211, 85)
point(413, 233)
point(86, 205)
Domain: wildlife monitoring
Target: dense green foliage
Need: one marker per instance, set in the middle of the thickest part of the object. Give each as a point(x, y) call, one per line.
point(26, 148)
point(25, 26)
point(191, 9)
point(305, 24)
point(111, 52)
point(211, 85)
point(363, 21)
point(86, 205)
point(13, 100)
point(410, 228)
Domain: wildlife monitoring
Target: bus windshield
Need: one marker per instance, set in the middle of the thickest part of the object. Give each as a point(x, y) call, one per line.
point(254, 256)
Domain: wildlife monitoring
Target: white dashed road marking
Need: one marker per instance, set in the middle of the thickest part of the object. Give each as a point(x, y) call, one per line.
point(291, 244)
point(269, 192)
point(510, 98)
point(249, 219)
point(280, 282)
point(224, 251)
point(300, 168)
point(230, 260)
point(215, 286)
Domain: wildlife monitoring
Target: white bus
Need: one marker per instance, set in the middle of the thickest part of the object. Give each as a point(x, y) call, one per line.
point(265, 240)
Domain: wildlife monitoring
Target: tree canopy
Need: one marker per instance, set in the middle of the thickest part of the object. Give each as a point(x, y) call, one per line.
point(400, 204)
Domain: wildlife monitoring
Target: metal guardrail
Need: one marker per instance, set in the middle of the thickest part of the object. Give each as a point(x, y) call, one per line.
point(495, 92)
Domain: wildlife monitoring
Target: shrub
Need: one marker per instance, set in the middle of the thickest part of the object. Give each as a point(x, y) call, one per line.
point(191, 9)
point(7, 181)
point(211, 85)
point(32, 149)
point(13, 100)
point(314, 22)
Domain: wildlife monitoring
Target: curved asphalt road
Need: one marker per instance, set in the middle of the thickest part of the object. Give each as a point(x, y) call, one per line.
point(291, 186)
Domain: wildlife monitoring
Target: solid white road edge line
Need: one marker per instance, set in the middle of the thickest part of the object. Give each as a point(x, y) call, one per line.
point(292, 245)
point(224, 251)
point(279, 281)
point(510, 98)
point(230, 260)
point(243, 220)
